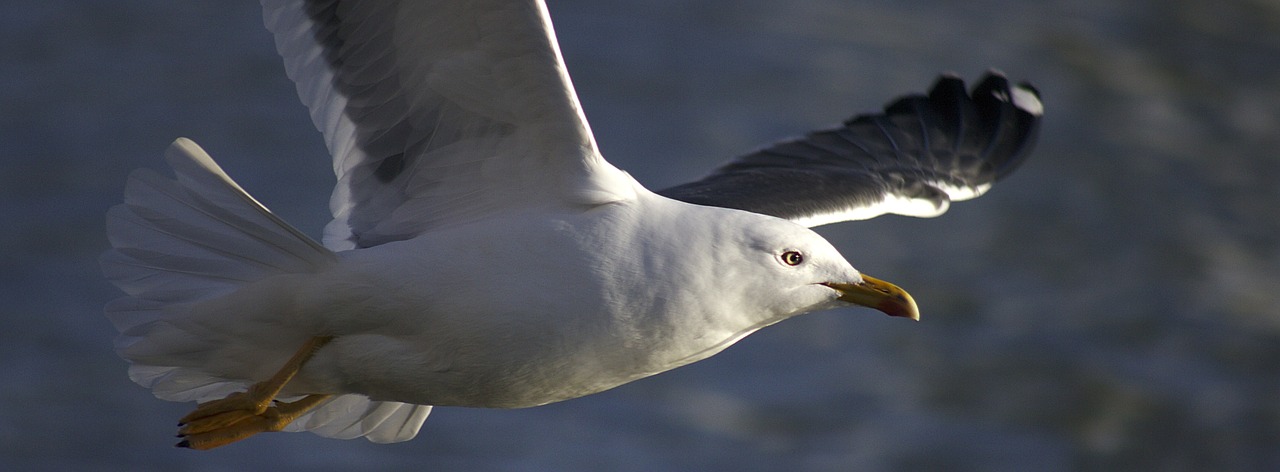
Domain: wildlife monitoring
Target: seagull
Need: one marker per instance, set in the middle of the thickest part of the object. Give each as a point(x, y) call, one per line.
point(482, 252)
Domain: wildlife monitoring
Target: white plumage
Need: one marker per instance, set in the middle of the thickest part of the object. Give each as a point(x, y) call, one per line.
point(482, 252)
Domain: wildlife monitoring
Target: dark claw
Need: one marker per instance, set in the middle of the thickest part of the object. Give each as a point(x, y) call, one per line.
point(183, 443)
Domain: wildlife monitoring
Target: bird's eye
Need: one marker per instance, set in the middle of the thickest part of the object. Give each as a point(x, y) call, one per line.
point(792, 258)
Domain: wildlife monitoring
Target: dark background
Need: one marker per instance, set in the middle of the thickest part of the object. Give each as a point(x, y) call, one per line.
point(1115, 304)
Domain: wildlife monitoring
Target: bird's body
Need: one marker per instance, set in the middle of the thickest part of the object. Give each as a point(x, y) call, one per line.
point(482, 252)
point(472, 315)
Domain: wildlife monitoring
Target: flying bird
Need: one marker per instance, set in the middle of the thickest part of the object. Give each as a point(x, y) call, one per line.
point(482, 252)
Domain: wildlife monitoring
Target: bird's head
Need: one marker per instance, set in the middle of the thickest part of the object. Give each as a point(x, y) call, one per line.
point(814, 269)
point(787, 269)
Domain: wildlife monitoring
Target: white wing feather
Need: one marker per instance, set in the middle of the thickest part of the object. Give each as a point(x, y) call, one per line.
point(438, 112)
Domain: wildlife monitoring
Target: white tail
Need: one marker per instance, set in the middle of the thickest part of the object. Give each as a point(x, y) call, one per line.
point(177, 243)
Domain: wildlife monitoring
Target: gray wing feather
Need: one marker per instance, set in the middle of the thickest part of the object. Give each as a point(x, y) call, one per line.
point(921, 153)
point(437, 112)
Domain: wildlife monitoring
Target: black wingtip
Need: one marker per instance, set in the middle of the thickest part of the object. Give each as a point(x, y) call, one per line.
point(918, 147)
point(994, 126)
point(183, 444)
point(947, 89)
point(1010, 117)
point(1024, 96)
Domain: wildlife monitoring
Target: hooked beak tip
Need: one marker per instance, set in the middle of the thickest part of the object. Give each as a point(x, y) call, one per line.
point(880, 295)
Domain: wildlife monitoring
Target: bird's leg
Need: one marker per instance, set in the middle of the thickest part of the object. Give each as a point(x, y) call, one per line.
point(273, 418)
point(243, 414)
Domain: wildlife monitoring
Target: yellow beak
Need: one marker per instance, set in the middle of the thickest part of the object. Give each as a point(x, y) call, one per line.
point(878, 294)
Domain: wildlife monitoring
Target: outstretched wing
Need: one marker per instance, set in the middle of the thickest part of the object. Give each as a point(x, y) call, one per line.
point(915, 158)
point(438, 112)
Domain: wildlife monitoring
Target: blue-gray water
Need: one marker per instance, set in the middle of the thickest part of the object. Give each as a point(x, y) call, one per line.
point(1115, 304)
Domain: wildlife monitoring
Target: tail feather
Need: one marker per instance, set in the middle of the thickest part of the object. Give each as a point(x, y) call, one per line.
point(380, 422)
point(176, 243)
point(200, 236)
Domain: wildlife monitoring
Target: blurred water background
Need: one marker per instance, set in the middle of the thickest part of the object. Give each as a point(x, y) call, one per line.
point(1114, 305)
